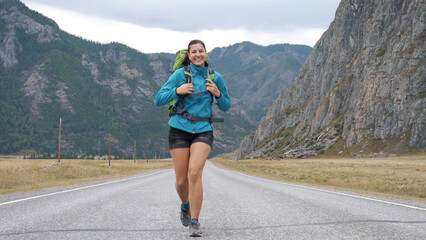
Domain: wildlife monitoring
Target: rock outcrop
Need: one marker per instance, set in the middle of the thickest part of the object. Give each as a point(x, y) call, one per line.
point(364, 81)
point(257, 74)
point(14, 19)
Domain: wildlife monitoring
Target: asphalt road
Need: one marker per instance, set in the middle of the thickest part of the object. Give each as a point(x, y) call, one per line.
point(236, 206)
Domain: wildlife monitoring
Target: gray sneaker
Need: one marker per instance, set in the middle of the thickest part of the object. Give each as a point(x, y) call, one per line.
point(195, 229)
point(185, 216)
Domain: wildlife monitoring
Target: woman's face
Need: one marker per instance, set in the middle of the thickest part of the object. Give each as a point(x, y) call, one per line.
point(197, 54)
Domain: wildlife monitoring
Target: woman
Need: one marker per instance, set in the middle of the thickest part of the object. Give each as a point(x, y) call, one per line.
point(191, 142)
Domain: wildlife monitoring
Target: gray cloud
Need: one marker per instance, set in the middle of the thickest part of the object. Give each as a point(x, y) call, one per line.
point(194, 16)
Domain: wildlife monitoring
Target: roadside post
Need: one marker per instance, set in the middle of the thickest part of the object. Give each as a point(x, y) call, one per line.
point(109, 152)
point(59, 148)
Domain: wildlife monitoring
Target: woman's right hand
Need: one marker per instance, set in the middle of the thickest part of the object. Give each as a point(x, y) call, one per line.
point(186, 88)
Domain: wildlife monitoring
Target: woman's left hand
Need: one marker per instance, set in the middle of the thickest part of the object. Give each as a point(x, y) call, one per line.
point(212, 88)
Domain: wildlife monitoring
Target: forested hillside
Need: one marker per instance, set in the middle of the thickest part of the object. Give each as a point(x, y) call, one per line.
point(97, 90)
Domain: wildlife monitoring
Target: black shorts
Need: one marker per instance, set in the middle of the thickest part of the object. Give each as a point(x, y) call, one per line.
point(182, 139)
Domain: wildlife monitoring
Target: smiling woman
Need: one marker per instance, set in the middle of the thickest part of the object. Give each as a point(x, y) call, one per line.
point(198, 54)
point(195, 86)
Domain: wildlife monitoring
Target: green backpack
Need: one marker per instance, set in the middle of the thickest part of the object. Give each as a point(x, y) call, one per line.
point(176, 105)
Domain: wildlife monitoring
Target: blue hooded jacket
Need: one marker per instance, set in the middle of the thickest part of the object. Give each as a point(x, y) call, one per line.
point(199, 106)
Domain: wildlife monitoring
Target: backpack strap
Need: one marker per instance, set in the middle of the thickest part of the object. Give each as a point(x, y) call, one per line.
point(188, 73)
point(188, 78)
point(210, 74)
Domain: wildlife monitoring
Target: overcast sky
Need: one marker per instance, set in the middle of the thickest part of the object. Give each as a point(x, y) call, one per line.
point(168, 25)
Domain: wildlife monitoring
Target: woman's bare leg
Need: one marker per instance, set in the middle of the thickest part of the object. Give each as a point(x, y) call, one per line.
point(180, 158)
point(199, 152)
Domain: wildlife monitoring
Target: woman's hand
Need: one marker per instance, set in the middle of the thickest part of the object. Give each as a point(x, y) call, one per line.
point(212, 88)
point(186, 88)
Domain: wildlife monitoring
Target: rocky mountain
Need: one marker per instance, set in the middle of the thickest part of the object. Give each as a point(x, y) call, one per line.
point(102, 89)
point(257, 74)
point(360, 93)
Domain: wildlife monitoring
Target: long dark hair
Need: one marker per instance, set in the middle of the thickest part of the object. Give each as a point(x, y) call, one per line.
point(186, 60)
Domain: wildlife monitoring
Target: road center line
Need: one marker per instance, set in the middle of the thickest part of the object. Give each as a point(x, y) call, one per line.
point(81, 188)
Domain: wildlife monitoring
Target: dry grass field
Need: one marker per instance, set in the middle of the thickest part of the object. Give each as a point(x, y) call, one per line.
point(19, 175)
point(401, 177)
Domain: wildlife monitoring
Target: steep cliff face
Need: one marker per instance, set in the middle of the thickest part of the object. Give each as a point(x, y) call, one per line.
point(257, 74)
point(364, 82)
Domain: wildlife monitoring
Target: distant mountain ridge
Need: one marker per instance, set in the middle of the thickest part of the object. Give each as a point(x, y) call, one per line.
point(360, 93)
point(97, 89)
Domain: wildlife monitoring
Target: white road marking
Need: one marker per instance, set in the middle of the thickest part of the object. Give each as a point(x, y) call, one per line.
point(81, 188)
point(327, 191)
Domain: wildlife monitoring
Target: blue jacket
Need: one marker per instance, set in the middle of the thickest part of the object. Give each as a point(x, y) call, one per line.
point(199, 106)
